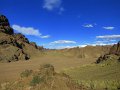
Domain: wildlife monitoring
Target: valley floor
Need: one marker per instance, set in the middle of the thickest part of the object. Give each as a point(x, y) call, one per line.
point(11, 71)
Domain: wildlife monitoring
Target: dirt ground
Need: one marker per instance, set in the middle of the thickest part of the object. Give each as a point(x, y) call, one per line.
point(11, 71)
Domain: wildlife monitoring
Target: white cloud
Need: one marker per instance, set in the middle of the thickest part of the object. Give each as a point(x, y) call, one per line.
point(65, 47)
point(106, 41)
point(83, 45)
point(95, 44)
point(109, 28)
point(63, 42)
point(28, 31)
point(99, 43)
point(88, 25)
point(108, 37)
point(52, 4)
point(47, 36)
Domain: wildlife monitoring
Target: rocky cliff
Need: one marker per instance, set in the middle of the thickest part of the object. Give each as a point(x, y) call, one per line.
point(113, 55)
point(14, 47)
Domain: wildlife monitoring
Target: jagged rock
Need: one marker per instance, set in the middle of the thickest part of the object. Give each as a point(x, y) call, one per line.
point(14, 47)
point(34, 44)
point(103, 58)
point(6, 39)
point(115, 49)
point(5, 26)
point(10, 53)
point(114, 54)
point(21, 38)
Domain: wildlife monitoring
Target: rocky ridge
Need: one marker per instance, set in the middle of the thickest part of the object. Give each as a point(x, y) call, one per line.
point(14, 47)
point(113, 55)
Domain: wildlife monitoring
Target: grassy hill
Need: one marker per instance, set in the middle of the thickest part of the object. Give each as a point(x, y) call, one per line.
point(104, 76)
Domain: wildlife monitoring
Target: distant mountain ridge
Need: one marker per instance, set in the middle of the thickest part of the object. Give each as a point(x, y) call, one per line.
point(14, 47)
point(85, 52)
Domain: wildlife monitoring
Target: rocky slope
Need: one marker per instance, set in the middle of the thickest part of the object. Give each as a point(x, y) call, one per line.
point(113, 55)
point(14, 47)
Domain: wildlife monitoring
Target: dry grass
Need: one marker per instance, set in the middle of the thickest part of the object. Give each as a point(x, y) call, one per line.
point(98, 77)
point(11, 71)
point(43, 79)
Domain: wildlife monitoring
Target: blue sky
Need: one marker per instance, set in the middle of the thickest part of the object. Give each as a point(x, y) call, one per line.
point(65, 23)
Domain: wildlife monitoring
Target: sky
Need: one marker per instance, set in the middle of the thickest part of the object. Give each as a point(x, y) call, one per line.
point(60, 24)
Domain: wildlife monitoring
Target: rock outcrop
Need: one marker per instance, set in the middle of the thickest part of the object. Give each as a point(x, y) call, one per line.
point(114, 54)
point(115, 49)
point(5, 26)
point(14, 47)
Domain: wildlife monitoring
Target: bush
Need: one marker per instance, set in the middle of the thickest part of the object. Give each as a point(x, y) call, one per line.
point(36, 80)
point(26, 73)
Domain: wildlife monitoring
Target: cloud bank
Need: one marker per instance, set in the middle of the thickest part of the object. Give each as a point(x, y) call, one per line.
point(63, 42)
point(28, 31)
point(108, 37)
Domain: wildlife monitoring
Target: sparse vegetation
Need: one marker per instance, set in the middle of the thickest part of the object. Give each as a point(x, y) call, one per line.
point(37, 79)
point(102, 76)
point(26, 73)
point(101, 84)
point(43, 80)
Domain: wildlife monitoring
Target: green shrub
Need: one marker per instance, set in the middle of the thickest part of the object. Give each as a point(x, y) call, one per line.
point(26, 73)
point(36, 80)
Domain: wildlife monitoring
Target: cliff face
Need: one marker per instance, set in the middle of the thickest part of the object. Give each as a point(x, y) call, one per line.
point(14, 47)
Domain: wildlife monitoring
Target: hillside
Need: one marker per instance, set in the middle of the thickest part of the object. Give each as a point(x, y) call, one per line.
point(102, 75)
point(82, 53)
point(14, 47)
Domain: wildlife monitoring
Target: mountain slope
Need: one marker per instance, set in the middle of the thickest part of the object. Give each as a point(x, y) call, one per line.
point(14, 47)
